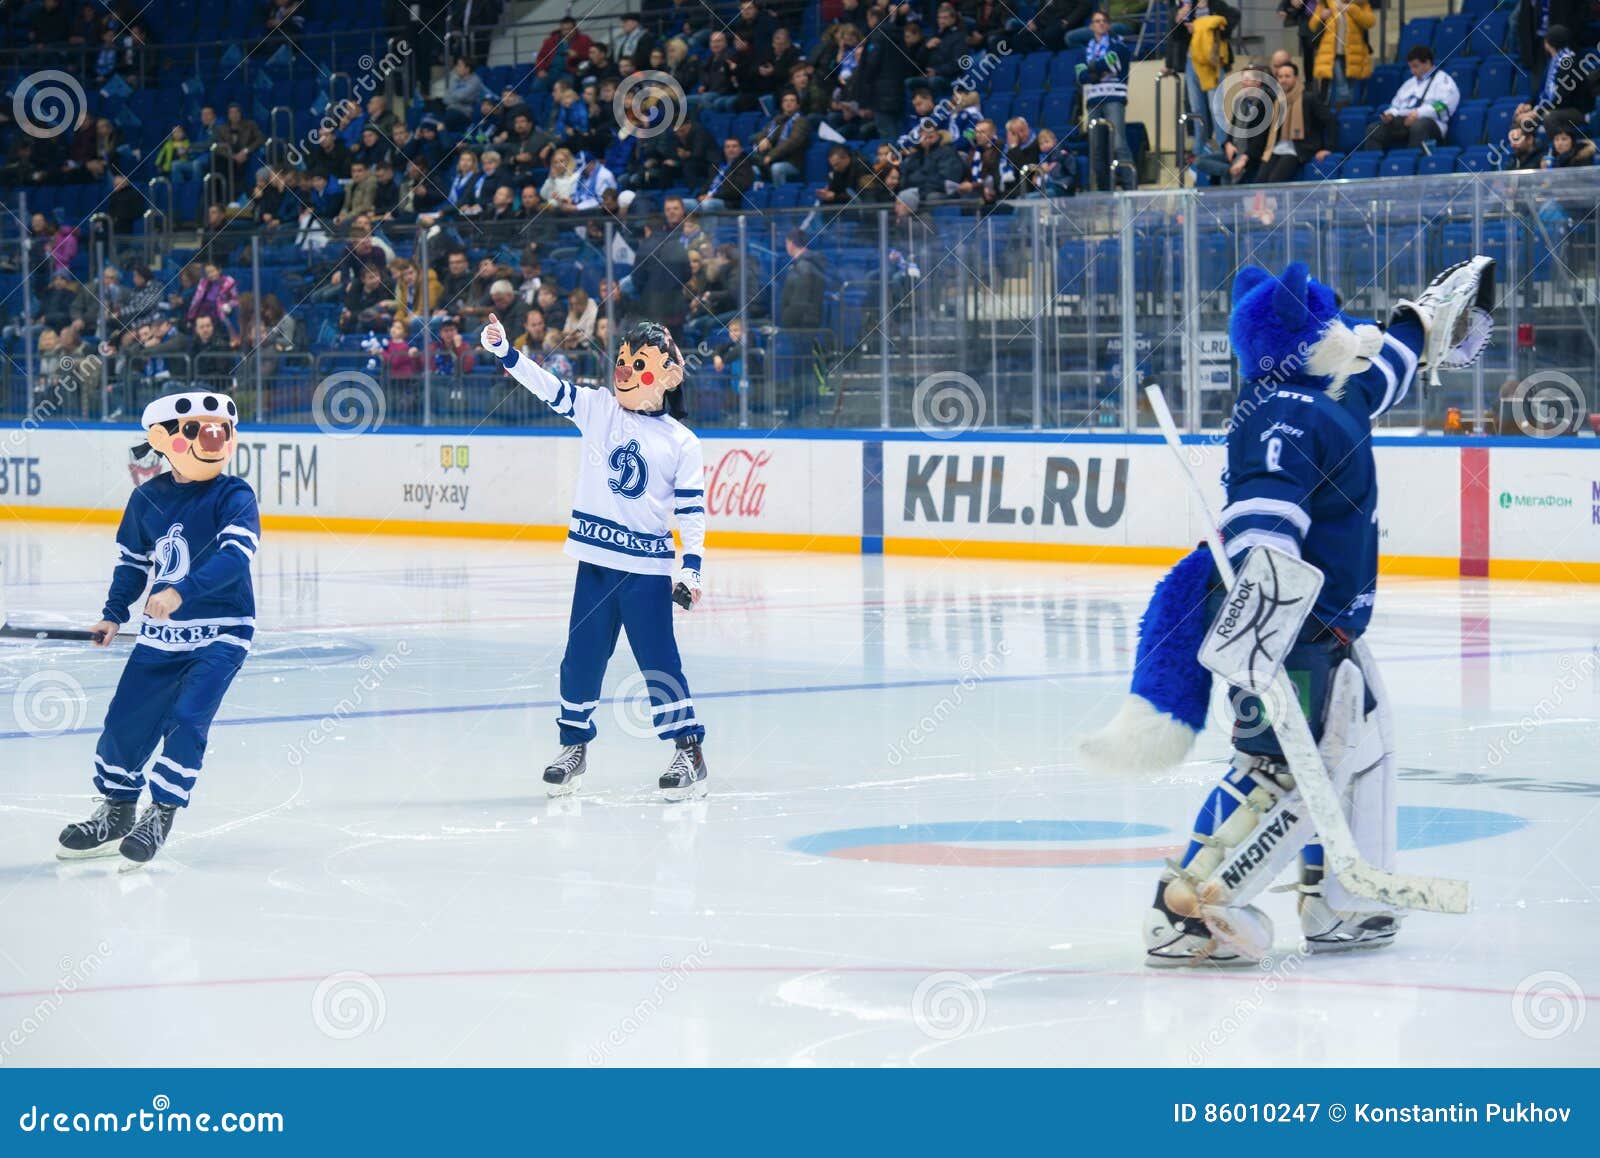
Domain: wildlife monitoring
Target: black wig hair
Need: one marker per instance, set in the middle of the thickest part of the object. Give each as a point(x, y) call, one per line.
point(642, 334)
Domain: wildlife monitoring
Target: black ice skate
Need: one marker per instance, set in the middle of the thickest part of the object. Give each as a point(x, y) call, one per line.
point(141, 845)
point(685, 777)
point(98, 836)
point(561, 774)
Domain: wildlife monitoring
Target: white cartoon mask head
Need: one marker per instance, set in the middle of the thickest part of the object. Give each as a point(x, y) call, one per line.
point(648, 366)
point(195, 431)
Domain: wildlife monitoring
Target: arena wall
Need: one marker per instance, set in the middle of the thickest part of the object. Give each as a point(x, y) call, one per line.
point(1505, 508)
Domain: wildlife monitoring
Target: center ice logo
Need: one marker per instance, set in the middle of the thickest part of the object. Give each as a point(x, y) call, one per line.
point(171, 556)
point(632, 473)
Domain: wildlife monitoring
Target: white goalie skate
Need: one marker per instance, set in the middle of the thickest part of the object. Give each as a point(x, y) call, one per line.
point(1329, 930)
point(1212, 938)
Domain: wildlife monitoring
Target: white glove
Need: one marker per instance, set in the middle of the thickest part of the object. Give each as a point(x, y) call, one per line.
point(1454, 312)
point(686, 588)
point(493, 338)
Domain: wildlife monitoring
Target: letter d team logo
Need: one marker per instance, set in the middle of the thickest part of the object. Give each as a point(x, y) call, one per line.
point(171, 556)
point(632, 474)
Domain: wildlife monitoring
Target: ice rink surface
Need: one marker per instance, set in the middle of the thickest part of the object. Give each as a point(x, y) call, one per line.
point(900, 861)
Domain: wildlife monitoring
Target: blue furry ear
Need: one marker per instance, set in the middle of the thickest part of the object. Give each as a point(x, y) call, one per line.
point(1247, 279)
point(1289, 298)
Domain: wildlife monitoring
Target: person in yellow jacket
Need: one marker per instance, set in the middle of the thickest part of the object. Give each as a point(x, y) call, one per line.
point(1343, 54)
point(1198, 50)
point(1209, 51)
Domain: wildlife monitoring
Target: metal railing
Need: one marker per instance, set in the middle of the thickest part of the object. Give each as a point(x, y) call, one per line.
point(1049, 314)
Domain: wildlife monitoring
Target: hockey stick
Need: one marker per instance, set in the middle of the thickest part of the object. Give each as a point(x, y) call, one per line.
point(7, 631)
point(11, 631)
point(1343, 856)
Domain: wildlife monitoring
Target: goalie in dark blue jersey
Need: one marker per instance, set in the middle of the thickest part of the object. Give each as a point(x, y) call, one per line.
point(1301, 480)
point(189, 535)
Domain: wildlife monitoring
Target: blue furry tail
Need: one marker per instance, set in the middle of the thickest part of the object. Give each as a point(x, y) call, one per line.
point(1166, 672)
point(1166, 709)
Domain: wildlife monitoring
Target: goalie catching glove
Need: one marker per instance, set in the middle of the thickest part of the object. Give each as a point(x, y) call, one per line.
point(1454, 312)
point(686, 588)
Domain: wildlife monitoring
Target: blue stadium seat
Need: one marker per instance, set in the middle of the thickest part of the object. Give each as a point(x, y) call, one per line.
point(1418, 31)
point(1466, 127)
point(1361, 165)
point(997, 108)
point(1059, 110)
point(816, 166)
point(746, 125)
point(1452, 37)
point(1480, 7)
point(1026, 106)
point(1399, 163)
point(1385, 82)
point(717, 124)
point(1498, 121)
point(1489, 33)
point(1441, 160)
point(1004, 77)
point(1323, 170)
point(1464, 72)
point(1033, 76)
point(790, 196)
point(1353, 126)
point(1498, 77)
point(1475, 159)
point(1063, 69)
point(1457, 244)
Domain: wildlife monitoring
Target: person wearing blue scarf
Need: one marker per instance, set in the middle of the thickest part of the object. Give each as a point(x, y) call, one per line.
point(781, 147)
point(1104, 77)
point(1535, 18)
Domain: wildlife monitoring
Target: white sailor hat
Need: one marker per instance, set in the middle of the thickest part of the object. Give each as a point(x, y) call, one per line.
point(192, 404)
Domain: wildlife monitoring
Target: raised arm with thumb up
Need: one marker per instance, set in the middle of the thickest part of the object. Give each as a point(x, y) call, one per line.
point(493, 338)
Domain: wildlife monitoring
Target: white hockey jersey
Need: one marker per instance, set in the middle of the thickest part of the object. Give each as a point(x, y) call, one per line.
point(1433, 95)
point(639, 471)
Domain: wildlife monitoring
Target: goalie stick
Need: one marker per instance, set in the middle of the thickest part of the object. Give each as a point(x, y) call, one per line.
point(1343, 857)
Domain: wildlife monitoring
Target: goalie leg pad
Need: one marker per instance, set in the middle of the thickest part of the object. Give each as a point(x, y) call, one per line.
point(1248, 831)
point(1357, 747)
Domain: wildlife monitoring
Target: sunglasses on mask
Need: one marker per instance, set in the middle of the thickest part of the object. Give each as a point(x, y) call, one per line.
point(190, 429)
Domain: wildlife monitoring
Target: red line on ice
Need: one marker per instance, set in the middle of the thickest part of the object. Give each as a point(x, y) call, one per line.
point(791, 970)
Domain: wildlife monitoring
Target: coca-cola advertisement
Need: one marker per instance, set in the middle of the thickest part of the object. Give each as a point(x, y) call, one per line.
point(737, 484)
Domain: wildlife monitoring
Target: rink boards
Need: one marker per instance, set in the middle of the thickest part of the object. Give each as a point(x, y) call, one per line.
point(1506, 508)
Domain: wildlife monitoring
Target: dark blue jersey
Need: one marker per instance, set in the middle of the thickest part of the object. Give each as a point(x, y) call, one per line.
point(1301, 477)
point(196, 537)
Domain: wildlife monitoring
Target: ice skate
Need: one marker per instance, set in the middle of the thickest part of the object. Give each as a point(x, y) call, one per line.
point(140, 846)
point(685, 777)
point(1173, 941)
point(1327, 930)
point(561, 774)
point(100, 834)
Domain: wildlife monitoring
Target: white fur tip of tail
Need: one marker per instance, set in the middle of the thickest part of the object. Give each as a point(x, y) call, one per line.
point(1138, 739)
